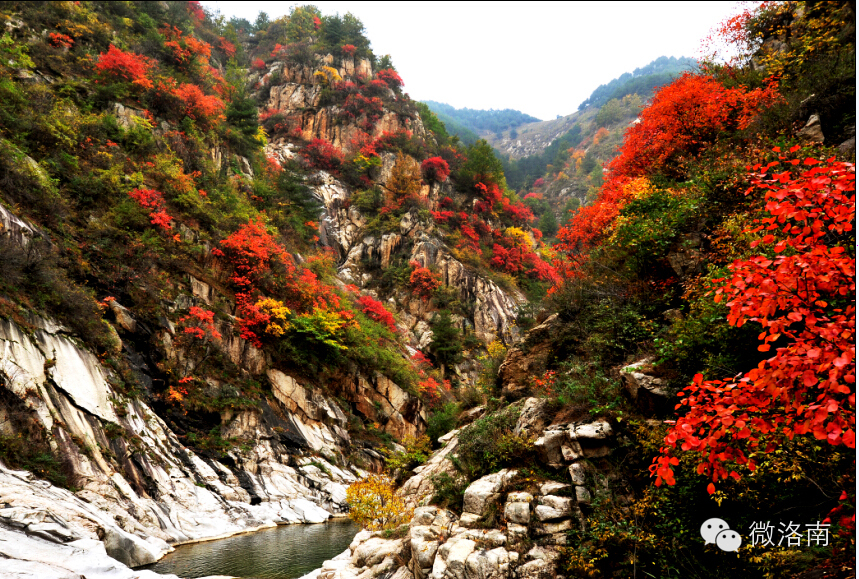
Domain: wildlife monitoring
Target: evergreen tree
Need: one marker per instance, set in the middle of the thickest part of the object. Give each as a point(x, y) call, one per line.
point(446, 345)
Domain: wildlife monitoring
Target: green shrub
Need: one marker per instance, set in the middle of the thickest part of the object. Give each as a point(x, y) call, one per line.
point(416, 451)
point(442, 421)
point(489, 444)
point(449, 490)
point(584, 387)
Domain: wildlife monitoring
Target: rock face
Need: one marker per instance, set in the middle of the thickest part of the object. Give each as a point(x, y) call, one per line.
point(812, 130)
point(528, 358)
point(649, 392)
point(364, 255)
point(438, 546)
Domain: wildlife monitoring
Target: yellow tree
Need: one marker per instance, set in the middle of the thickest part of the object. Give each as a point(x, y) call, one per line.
point(405, 179)
point(374, 505)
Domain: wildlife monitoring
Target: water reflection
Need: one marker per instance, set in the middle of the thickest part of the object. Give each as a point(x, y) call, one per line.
point(285, 552)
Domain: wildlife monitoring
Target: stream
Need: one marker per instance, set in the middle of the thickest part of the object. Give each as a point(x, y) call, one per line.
point(283, 552)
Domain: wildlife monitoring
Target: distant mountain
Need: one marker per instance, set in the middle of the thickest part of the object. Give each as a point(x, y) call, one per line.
point(472, 124)
point(641, 81)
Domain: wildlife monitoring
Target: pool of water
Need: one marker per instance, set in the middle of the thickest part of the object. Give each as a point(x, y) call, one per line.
point(284, 552)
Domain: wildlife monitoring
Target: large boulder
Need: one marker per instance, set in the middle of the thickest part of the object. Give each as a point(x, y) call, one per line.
point(481, 493)
point(649, 392)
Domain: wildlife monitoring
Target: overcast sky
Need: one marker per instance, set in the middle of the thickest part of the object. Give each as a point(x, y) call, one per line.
point(542, 58)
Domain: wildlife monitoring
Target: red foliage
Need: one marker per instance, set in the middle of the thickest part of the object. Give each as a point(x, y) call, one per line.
point(198, 105)
point(358, 105)
point(435, 169)
point(518, 211)
point(376, 87)
point(348, 49)
point(432, 391)
point(124, 66)
point(390, 77)
point(258, 64)
point(588, 225)
point(732, 32)
point(228, 47)
point(422, 281)
point(375, 310)
point(196, 10)
point(803, 299)
point(490, 195)
point(422, 362)
point(683, 118)
point(185, 49)
point(321, 154)
point(200, 323)
point(539, 182)
point(153, 200)
point(534, 196)
point(522, 261)
point(443, 216)
point(57, 40)
point(251, 252)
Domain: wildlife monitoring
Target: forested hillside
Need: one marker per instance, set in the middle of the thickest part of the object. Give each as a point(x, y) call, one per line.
point(245, 281)
point(641, 81)
point(470, 124)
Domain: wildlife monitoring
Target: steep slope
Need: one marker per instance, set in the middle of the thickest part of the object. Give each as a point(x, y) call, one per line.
point(144, 295)
point(207, 327)
point(699, 366)
point(532, 138)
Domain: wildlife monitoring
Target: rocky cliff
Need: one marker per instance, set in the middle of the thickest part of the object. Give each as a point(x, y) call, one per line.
point(133, 474)
point(296, 93)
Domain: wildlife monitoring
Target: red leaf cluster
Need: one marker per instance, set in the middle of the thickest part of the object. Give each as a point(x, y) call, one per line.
point(58, 40)
point(375, 310)
point(435, 169)
point(322, 155)
point(422, 281)
point(200, 323)
point(124, 66)
point(803, 299)
point(198, 105)
point(154, 201)
point(228, 47)
point(390, 77)
point(683, 118)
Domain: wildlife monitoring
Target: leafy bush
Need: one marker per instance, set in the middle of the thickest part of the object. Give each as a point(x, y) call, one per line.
point(442, 421)
point(489, 444)
point(583, 388)
point(374, 504)
point(449, 490)
point(321, 154)
point(416, 451)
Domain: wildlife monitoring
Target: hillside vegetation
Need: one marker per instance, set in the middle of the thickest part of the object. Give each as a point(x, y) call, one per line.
point(259, 240)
